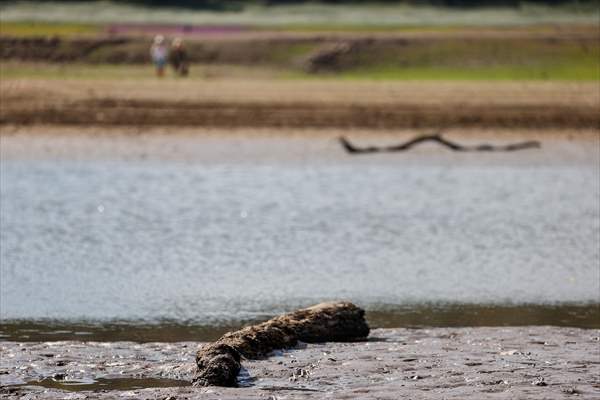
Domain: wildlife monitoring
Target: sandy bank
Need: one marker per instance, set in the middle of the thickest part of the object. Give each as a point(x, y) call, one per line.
point(199, 145)
point(516, 362)
point(300, 104)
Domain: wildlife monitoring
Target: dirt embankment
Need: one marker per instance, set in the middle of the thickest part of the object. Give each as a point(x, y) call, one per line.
point(299, 104)
point(323, 52)
point(152, 113)
point(135, 50)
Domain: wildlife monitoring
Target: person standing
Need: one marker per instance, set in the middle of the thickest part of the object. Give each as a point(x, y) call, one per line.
point(158, 53)
point(178, 57)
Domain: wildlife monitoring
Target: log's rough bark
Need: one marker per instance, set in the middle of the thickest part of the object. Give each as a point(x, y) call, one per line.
point(219, 362)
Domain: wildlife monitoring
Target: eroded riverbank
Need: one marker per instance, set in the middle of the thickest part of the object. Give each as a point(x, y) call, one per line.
point(515, 362)
point(260, 103)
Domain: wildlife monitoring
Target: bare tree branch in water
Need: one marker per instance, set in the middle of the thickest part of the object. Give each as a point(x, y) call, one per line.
point(437, 138)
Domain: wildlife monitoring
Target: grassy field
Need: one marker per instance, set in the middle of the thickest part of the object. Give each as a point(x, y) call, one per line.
point(78, 71)
point(506, 59)
point(40, 28)
point(396, 42)
point(574, 71)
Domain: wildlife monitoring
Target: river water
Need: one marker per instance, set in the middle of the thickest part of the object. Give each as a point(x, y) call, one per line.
point(219, 243)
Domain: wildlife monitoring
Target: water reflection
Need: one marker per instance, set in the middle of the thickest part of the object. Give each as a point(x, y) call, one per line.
point(107, 384)
point(582, 316)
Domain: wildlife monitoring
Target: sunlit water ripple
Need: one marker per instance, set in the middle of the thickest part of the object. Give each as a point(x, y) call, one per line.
point(146, 240)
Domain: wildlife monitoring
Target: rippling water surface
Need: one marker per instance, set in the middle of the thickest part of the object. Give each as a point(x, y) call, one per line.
point(184, 242)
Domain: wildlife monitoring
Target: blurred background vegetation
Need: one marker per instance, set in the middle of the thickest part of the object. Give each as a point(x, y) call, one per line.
point(328, 13)
point(291, 39)
point(240, 4)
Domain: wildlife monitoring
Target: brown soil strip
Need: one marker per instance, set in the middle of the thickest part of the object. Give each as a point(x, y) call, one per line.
point(33, 92)
point(296, 115)
point(219, 362)
point(234, 103)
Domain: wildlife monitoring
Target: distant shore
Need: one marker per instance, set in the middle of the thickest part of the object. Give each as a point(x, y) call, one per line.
point(503, 362)
point(556, 51)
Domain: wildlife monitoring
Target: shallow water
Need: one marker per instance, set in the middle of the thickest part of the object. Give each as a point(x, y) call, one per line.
point(392, 316)
point(222, 243)
point(107, 384)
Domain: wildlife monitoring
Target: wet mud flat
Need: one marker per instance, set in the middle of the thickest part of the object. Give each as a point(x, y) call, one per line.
point(502, 362)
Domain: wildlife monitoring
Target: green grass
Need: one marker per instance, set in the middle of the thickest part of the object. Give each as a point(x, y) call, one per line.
point(27, 70)
point(290, 52)
point(29, 29)
point(542, 27)
point(582, 72)
point(65, 29)
point(516, 59)
point(572, 72)
point(16, 70)
point(438, 59)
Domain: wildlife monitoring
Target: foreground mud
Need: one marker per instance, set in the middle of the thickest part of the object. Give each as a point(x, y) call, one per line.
point(516, 362)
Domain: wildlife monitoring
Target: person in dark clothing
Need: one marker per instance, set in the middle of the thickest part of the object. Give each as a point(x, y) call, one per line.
point(178, 58)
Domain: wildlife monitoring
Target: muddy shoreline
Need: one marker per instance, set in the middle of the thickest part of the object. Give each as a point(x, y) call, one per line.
point(502, 362)
point(289, 104)
point(266, 146)
point(111, 112)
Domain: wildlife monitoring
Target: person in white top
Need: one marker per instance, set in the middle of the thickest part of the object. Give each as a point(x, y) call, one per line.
point(159, 54)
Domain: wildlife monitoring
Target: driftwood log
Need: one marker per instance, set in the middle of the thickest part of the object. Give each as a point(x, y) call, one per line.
point(219, 362)
point(437, 138)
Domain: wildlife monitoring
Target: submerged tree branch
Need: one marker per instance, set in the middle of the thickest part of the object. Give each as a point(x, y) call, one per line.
point(437, 138)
